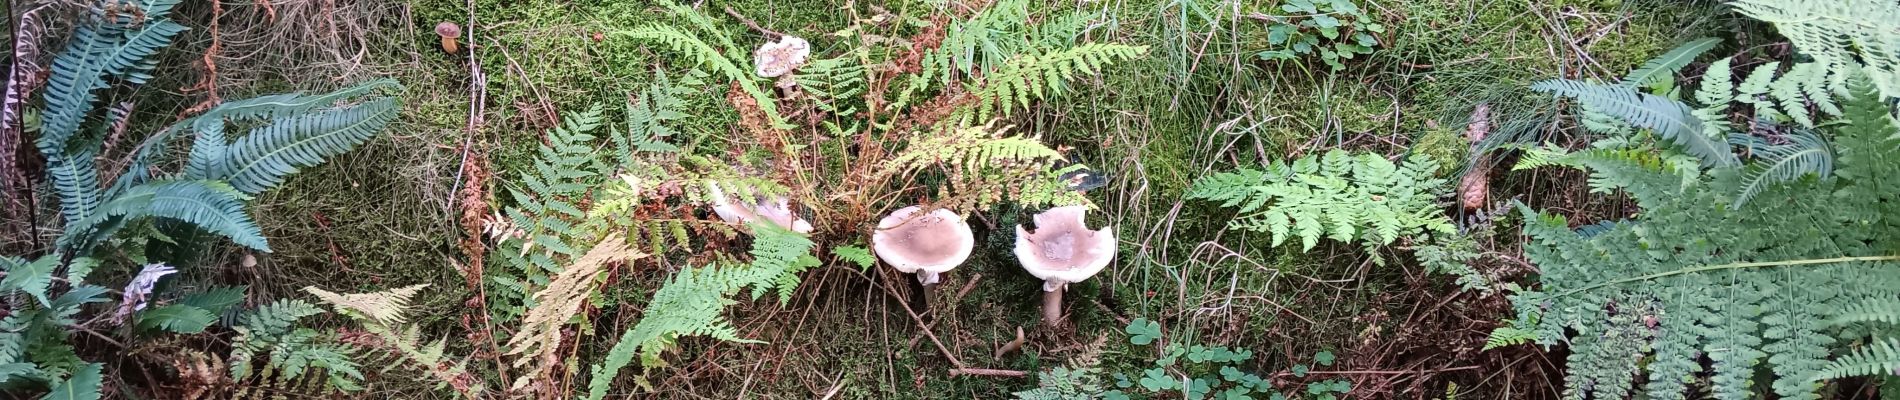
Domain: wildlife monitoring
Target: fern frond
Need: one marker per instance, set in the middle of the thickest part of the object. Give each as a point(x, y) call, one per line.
point(1665, 66)
point(705, 55)
point(1029, 77)
point(1805, 153)
point(562, 299)
point(176, 318)
point(1872, 310)
point(31, 278)
point(82, 385)
point(1842, 36)
point(1669, 119)
point(261, 159)
point(1360, 198)
point(210, 205)
point(385, 307)
point(856, 255)
point(1878, 358)
point(688, 304)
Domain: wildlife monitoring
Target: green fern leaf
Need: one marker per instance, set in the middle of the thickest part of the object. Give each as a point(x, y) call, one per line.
point(177, 318)
point(1665, 66)
point(1670, 119)
point(82, 385)
point(210, 205)
point(856, 255)
point(261, 159)
point(215, 300)
point(29, 277)
point(1804, 154)
point(1879, 358)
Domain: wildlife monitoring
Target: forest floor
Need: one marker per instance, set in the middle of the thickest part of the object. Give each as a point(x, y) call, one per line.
point(1201, 100)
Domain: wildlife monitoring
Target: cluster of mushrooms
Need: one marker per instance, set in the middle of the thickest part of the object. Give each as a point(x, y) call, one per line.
point(930, 242)
point(1061, 250)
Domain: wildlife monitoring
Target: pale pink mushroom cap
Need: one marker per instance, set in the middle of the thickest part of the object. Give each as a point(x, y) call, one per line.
point(777, 210)
point(927, 245)
point(781, 57)
point(1063, 249)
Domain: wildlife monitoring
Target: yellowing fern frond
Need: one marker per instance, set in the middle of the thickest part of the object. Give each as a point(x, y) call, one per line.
point(562, 299)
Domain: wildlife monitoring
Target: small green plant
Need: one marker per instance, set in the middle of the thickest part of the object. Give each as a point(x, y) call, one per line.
point(1362, 198)
point(1336, 29)
point(1194, 372)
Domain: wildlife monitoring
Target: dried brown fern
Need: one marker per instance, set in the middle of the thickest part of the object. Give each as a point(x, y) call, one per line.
point(539, 339)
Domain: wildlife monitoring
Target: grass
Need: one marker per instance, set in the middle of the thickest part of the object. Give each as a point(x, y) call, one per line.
point(381, 217)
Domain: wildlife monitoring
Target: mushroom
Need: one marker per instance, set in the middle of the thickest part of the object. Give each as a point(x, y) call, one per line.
point(449, 32)
point(781, 57)
point(927, 244)
point(776, 210)
point(1063, 250)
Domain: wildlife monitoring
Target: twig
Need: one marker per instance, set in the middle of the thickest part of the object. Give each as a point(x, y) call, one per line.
point(754, 25)
point(961, 368)
point(987, 372)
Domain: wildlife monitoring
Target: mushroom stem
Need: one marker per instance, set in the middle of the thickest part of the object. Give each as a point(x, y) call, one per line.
point(448, 44)
point(1052, 306)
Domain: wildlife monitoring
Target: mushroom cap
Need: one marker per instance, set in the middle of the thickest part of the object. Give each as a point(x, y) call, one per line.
point(1063, 249)
point(781, 57)
point(448, 30)
point(923, 243)
point(776, 210)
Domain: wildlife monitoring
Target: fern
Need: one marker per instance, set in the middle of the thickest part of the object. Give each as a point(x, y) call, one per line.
point(82, 385)
point(1361, 198)
point(561, 300)
point(1028, 77)
point(261, 159)
point(985, 166)
point(690, 303)
point(1843, 38)
point(207, 204)
point(1671, 120)
point(705, 54)
point(1885, 311)
point(1804, 154)
point(547, 211)
point(857, 255)
point(1744, 286)
point(270, 332)
point(1874, 359)
point(1663, 68)
point(381, 314)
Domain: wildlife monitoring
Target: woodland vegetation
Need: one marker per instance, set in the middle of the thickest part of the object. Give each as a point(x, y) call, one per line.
point(1198, 199)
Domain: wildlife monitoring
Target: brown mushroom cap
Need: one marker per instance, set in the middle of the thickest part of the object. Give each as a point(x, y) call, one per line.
point(448, 30)
point(1063, 249)
point(927, 244)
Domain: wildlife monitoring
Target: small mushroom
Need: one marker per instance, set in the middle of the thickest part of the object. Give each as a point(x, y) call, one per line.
point(927, 244)
point(449, 32)
point(776, 210)
point(781, 57)
point(1063, 250)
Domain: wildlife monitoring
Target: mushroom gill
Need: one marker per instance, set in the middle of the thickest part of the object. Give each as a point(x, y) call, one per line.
point(1063, 250)
point(927, 244)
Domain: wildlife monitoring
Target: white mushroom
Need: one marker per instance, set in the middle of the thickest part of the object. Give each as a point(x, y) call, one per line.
point(776, 210)
point(927, 244)
point(778, 58)
point(1063, 250)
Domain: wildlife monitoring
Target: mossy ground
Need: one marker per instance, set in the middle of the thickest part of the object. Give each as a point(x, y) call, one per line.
point(381, 217)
